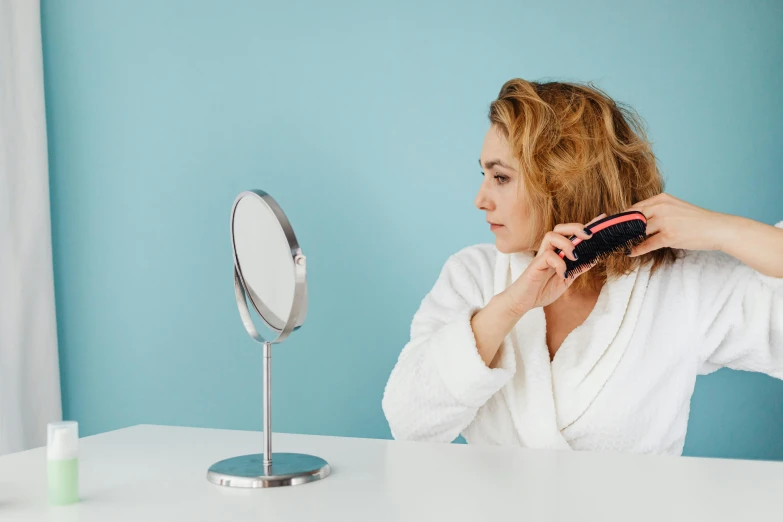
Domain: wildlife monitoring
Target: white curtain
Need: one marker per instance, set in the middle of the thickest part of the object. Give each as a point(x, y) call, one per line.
point(29, 369)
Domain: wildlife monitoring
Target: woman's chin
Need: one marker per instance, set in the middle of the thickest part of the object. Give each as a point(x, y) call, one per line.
point(506, 247)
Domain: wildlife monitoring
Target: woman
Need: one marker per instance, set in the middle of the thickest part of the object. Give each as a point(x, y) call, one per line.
point(506, 350)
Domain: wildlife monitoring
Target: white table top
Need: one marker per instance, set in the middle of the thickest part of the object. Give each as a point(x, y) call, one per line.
point(157, 473)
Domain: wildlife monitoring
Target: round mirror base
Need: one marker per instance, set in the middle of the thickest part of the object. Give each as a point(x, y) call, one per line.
point(249, 471)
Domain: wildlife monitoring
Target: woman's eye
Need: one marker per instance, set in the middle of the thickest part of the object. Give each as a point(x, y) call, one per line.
point(501, 178)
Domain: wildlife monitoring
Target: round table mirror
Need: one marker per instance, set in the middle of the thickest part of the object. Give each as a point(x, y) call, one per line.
point(269, 271)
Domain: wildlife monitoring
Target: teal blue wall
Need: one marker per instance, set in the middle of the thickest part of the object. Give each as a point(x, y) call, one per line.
point(364, 120)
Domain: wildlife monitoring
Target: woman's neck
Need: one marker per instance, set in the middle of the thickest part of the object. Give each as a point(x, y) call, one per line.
point(567, 313)
point(576, 295)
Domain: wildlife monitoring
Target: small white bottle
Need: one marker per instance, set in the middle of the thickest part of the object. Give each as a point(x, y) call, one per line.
point(62, 462)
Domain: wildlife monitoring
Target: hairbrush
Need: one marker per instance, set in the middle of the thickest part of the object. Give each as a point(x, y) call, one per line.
point(610, 235)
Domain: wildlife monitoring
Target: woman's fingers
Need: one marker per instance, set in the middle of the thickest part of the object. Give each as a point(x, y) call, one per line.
point(554, 240)
point(653, 226)
point(596, 219)
point(572, 229)
point(652, 206)
point(653, 242)
point(554, 261)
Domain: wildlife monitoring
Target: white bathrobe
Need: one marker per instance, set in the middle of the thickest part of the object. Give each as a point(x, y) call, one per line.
point(622, 381)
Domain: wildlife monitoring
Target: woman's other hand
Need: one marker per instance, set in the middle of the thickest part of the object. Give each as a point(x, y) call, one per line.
point(675, 223)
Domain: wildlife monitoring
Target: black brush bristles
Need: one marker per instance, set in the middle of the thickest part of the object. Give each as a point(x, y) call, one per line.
point(611, 235)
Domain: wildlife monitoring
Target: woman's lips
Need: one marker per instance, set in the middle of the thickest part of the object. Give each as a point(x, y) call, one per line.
point(493, 226)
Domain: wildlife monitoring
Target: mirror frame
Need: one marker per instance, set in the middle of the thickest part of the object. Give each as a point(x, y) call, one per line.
point(298, 311)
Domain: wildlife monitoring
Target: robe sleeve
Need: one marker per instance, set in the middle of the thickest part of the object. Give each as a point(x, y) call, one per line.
point(440, 380)
point(739, 319)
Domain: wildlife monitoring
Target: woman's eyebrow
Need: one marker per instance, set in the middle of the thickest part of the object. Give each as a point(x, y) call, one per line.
point(491, 163)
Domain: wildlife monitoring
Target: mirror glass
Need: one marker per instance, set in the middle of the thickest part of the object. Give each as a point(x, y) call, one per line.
point(265, 259)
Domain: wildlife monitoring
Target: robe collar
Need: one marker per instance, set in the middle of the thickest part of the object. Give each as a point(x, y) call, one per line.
point(546, 397)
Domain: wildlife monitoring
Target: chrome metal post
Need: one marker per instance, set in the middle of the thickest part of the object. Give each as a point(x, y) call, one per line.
point(267, 404)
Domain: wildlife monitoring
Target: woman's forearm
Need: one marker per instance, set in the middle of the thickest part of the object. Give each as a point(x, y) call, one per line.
point(758, 245)
point(492, 324)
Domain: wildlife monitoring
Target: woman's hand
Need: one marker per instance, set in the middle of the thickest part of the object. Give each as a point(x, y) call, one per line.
point(674, 223)
point(544, 281)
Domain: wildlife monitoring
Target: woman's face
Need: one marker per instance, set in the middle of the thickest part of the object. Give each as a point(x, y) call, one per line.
point(500, 195)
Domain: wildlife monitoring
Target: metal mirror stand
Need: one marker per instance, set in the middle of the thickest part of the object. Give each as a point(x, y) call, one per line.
point(269, 469)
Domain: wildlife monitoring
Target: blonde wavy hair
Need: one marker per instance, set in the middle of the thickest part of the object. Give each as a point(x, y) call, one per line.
point(580, 154)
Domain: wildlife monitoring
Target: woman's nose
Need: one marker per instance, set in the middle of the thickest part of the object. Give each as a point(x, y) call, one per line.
point(482, 201)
